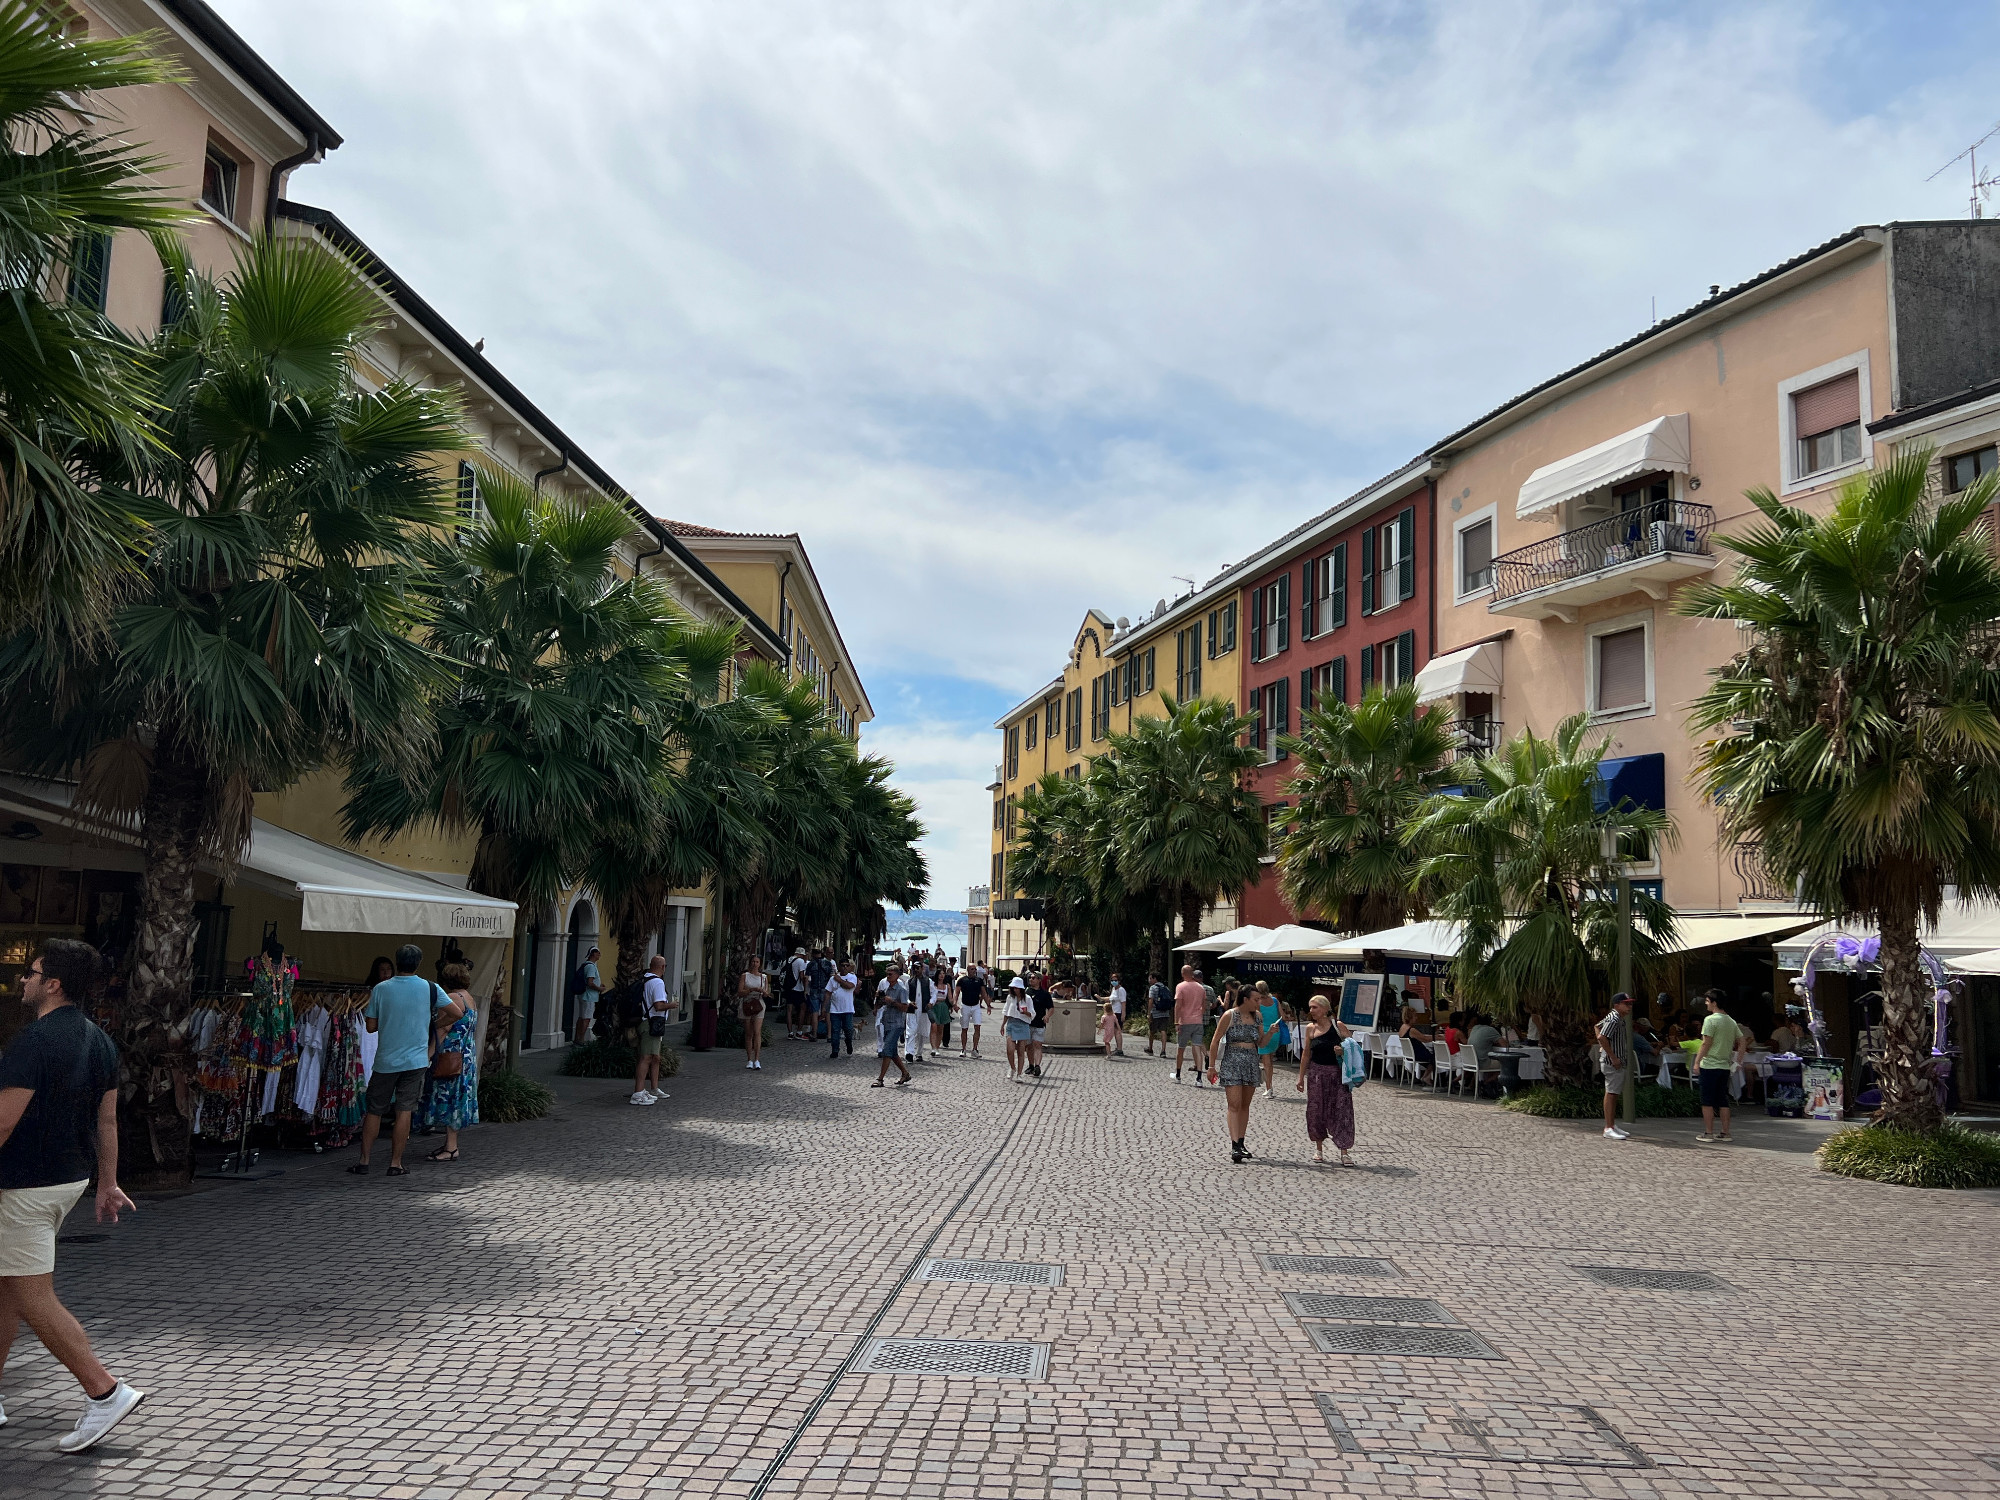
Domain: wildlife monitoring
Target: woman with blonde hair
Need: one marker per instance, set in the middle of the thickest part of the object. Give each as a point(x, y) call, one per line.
point(1323, 1080)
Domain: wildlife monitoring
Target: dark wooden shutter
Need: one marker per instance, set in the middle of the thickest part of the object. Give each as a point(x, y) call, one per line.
point(1283, 613)
point(1256, 626)
point(1406, 560)
point(1194, 671)
point(1284, 711)
point(1305, 695)
point(1340, 584)
point(1149, 669)
point(1367, 668)
point(1368, 571)
point(1307, 602)
point(1340, 678)
point(1406, 657)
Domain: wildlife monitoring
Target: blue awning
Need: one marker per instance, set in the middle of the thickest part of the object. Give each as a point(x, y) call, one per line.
point(1640, 780)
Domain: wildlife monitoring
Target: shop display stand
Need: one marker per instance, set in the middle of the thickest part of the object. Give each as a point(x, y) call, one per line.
point(241, 1164)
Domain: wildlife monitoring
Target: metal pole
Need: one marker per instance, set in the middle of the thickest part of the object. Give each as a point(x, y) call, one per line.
point(522, 950)
point(1625, 983)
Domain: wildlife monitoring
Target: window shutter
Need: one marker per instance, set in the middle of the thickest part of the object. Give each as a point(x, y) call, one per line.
point(1149, 669)
point(1621, 669)
point(1256, 626)
point(1367, 668)
point(1368, 571)
point(1340, 678)
point(1284, 711)
point(1180, 664)
point(1194, 674)
point(1835, 403)
point(1340, 584)
point(1406, 554)
point(1284, 613)
point(1475, 557)
point(1406, 657)
point(1305, 695)
point(1306, 602)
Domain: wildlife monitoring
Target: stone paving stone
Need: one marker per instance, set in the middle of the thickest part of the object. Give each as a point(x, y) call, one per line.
point(634, 1303)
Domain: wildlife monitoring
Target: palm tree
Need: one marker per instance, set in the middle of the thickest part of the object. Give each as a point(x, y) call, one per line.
point(1527, 856)
point(1058, 852)
point(553, 721)
point(76, 410)
point(1860, 737)
point(1187, 823)
point(1363, 773)
point(878, 862)
point(269, 630)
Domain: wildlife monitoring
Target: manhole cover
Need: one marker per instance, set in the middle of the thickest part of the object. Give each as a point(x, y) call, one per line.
point(1396, 1338)
point(1368, 1309)
point(1521, 1432)
point(955, 1357)
point(81, 1239)
point(998, 1272)
point(1641, 1278)
point(1328, 1265)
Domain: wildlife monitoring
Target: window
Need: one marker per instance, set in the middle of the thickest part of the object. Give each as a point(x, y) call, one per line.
point(999, 876)
point(1073, 735)
point(1271, 706)
point(1322, 684)
point(1389, 563)
point(90, 269)
point(1033, 722)
point(1097, 707)
point(999, 812)
point(1475, 557)
point(1621, 674)
point(1013, 751)
point(1187, 663)
point(471, 505)
point(1222, 630)
point(1149, 671)
point(1396, 660)
point(218, 183)
point(1827, 421)
point(1011, 807)
point(1963, 470)
point(784, 619)
point(1270, 618)
point(1277, 820)
point(1325, 602)
point(1054, 719)
point(1072, 773)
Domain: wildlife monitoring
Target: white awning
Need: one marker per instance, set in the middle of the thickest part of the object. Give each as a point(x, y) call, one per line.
point(1222, 942)
point(1287, 941)
point(1475, 669)
point(1691, 933)
point(1964, 929)
point(1432, 939)
point(341, 891)
point(1662, 443)
point(1977, 963)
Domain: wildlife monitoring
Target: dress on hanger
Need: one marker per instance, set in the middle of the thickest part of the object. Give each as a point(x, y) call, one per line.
point(313, 1030)
point(268, 1035)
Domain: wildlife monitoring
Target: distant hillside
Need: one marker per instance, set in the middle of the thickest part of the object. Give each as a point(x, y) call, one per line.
point(927, 920)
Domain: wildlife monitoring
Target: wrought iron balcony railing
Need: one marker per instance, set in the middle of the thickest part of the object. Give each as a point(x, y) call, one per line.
point(1474, 737)
point(1757, 882)
point(1654, 530)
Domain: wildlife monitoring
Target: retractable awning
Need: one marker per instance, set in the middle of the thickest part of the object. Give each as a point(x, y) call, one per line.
point(1964, 929)
point(1694, 933)
point(1475, 669)
point(1662, 444)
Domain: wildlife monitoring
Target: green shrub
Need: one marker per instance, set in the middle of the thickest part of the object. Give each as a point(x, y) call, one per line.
point(1585, 1101)
point(506, 1098)
point(1953, 1158)
point(600, 1058)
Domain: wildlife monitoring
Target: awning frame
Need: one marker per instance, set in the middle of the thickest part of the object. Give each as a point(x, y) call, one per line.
point(1661, 445)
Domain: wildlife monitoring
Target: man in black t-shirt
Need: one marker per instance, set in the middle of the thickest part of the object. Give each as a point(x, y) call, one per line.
point(58, 1125)
point(1044, 1001)
point(971, 1010)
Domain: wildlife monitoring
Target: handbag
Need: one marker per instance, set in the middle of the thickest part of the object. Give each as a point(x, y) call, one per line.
point(447, 1064)
point(656, 1026)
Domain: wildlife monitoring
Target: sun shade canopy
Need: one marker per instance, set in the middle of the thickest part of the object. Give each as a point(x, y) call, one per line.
point(1662, 444)
point(1475, 669)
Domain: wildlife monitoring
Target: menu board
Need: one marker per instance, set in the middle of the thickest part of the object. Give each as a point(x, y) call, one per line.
point(1823, 1083)
point(1361, 997)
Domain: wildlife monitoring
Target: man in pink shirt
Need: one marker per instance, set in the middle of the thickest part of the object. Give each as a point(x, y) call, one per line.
point(1190, 1013)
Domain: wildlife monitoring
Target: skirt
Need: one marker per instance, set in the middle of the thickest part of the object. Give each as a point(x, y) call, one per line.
point(1017, 1031)
point(1329, 1106)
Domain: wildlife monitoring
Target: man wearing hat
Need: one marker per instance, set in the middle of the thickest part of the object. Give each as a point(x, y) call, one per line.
point(1019, 1016)
point(1614, 1039)
point(795, 995)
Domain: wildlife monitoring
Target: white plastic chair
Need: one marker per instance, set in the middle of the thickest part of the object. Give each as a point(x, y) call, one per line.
point(1390, 1057)
point(1465, 1064)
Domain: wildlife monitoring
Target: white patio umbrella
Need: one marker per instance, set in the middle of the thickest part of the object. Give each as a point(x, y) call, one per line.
point(1222, 942)
point(1288, 941)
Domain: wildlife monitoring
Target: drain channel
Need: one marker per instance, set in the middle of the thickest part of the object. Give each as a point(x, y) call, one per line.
point(864, 1344)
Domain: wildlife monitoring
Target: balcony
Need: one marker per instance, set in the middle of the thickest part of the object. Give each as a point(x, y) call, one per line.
point(1757, 882)
point(1472, 738)
point(1648, 550)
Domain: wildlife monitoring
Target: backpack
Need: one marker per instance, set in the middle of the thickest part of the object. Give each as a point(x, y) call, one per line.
point(631, 1008)
point(579, 982)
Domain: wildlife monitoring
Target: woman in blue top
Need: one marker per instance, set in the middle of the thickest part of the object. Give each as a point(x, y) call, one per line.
point(453, 1101)
point(1271, 1014)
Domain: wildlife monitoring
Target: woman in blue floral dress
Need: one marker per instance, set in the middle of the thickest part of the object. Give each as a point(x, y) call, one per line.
point(452, 1103)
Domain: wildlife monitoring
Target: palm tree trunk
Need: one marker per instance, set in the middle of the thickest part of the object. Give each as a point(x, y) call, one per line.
point(1192, 907)
point(1909, 1086)
point(156, 1124)
point(1566, 1040)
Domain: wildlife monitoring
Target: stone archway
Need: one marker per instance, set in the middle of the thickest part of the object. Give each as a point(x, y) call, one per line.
point(580, 932)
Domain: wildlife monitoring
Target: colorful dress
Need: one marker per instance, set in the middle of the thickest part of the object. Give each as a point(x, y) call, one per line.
point(453, 1103)
point(344, 1081)
point(268, 1035)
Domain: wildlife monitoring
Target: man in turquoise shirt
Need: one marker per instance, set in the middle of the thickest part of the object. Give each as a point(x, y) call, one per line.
point(399, 1012)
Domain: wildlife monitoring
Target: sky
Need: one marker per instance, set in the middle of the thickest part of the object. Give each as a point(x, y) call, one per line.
point(1013, 308)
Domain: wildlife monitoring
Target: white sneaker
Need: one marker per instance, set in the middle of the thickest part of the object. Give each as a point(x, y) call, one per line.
point(1615, 1134)
point(640, 1098)
point(749, 1065)
point(99, 1417)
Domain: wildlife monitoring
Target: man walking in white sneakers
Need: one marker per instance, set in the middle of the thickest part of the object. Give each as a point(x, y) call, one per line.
point(58, 1124)
point(1614, 1040)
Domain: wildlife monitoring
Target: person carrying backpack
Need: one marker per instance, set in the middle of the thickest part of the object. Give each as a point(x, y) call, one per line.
point(585, 985)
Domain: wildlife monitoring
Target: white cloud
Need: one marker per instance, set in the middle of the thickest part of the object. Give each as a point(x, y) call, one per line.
point(1013, 307)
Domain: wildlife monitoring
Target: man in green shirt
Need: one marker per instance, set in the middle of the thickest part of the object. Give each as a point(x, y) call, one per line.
point(1722, 1046)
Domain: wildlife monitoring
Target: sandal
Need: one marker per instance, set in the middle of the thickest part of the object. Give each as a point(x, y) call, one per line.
point(398, 1172)
point(359, 1169)
point(876, 1084)
point(443, 1153)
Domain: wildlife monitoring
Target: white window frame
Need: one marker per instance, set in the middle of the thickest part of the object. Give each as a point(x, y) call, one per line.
point(1459, 526)
point(1788, 436)
point(1617, 626)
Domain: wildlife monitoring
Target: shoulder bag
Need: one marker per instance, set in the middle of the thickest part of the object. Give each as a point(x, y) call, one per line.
point(446, 1064)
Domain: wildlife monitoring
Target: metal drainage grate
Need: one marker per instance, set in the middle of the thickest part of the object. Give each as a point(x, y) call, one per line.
point(1368, 1309)
point(998, 1272)
point(1397, 1338)
point(1640, 1278)
point(1336, 1424)
point(954, 1357)
point(1328, 1265)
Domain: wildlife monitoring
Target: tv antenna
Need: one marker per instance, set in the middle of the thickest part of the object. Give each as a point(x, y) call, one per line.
point(1982, 182)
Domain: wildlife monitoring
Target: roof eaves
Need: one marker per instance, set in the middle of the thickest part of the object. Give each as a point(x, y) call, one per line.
point(1033, 700)
point(435, 323)
point(221, 38)
point(1966, 397)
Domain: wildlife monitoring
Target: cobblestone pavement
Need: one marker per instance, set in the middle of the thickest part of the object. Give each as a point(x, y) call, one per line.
point(640, 1303)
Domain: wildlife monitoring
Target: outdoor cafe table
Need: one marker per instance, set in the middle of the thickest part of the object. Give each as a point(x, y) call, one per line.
point(1518, 1065)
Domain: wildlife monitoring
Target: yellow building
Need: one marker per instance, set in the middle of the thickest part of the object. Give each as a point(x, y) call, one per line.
point(1116, 673)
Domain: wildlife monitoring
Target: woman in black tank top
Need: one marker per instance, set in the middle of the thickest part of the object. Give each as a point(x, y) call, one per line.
point(1329, 1101)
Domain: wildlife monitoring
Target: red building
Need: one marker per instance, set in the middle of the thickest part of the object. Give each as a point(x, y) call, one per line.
point(1340, 603)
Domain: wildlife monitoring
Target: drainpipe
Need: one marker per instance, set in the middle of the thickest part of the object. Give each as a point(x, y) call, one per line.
point(1431, 650)
point(312, 153)
point(781, 614)
point(541, 474)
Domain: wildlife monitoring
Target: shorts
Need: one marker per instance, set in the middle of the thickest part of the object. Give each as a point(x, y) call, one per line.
point(1160, 1023)
point(1714, 1087)
point(972, 1015)
point(892, 1041)
point(1614, 1080)
point(1191, 1034)
point(1017, 1031)
point(396, 1093)
point(29, 1219)
point(586, 1005)
point(650, 1045)
point(1036, 1033)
